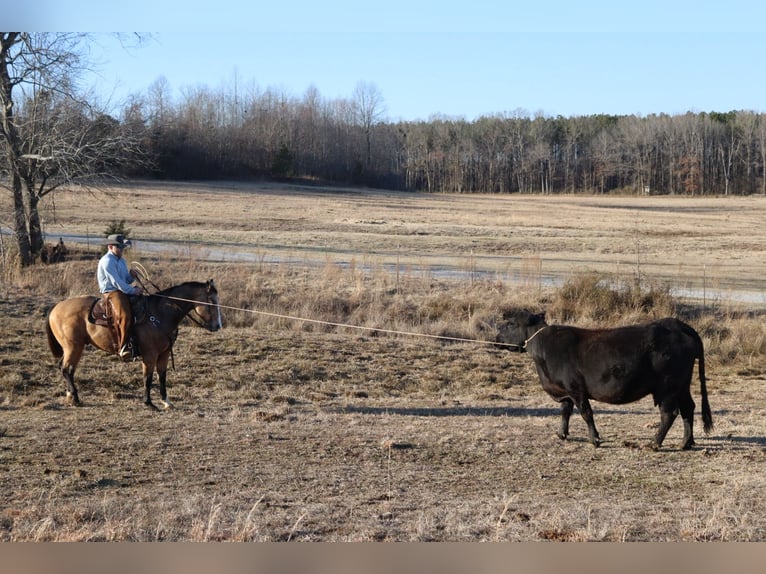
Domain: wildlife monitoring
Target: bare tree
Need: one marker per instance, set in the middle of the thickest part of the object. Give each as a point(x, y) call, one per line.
point(54, 137)
point(10, 133)
point(369, 109)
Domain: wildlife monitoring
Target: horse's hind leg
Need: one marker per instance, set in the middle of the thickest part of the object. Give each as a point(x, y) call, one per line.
point(68, 366)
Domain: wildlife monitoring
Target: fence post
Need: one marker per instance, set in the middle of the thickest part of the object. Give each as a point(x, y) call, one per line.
point(2, 249)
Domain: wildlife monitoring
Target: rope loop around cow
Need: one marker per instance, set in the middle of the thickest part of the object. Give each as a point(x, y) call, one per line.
point(524, 346)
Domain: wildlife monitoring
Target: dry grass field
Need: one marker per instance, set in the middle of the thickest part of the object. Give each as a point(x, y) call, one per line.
point(716, 244)
point(290, 427)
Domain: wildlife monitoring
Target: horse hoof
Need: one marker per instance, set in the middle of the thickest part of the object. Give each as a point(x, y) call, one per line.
point(151, 406)
point(167, 405)
point(72, 400)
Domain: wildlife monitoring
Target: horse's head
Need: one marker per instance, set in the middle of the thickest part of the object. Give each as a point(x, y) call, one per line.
point(209, 308)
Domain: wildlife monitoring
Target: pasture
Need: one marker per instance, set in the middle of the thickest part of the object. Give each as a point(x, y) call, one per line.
point(407, 426)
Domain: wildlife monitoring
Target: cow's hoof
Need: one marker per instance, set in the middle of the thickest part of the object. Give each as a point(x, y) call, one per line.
point(561, 436)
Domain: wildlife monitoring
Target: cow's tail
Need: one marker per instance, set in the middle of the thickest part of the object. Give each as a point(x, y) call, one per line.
point(53, 343)
point(707, 416)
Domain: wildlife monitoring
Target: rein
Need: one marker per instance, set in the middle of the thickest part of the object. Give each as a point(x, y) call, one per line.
point(142, 275)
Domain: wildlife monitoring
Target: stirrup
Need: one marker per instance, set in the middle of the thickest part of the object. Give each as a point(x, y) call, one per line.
point(126, 352)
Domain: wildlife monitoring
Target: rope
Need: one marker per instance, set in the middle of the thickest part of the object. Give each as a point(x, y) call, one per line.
point(143, 275)
point(343, 325)
point(532, 337)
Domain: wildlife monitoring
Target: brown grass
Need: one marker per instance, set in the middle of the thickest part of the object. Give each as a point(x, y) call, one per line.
point(294, 430)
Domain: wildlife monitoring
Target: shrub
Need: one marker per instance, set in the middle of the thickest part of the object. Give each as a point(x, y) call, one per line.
point(599, 299)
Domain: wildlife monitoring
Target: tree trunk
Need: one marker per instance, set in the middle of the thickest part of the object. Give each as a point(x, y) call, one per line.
point(11, 135)
point(20, 222)
point(34, 226)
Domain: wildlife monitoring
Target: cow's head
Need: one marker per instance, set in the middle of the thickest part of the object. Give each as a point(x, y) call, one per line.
point(516, 327)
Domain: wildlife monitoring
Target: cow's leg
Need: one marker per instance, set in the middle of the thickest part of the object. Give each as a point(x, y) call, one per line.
point(686, 406)
point(587, 414)
point(567, 406)
point(668, 413)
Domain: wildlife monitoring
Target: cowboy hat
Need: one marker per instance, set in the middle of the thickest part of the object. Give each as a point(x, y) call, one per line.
point(118, 239)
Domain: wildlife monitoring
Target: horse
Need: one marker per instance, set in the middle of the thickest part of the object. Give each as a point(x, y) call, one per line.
point(69, 330)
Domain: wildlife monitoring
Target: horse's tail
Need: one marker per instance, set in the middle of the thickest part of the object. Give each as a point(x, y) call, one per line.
point(53, 342)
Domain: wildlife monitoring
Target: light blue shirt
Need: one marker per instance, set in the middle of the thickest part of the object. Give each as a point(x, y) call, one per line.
point(113, 275)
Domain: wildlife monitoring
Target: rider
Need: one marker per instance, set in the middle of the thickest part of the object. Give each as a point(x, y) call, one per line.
point(115, 283)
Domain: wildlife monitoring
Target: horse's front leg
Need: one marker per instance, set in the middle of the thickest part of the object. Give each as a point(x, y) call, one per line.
point(162, 372)
point(72, 396)
point(148, 370)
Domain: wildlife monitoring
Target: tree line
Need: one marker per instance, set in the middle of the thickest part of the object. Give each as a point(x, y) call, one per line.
point(52, 135)
point(231, 134)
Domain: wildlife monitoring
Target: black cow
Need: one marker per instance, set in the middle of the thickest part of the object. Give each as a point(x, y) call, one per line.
point(615, 366)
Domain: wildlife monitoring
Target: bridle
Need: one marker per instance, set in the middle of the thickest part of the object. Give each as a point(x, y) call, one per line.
point(143, 276)
point(200, 321)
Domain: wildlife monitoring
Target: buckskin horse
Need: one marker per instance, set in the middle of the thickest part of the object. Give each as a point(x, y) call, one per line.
point(69, 330)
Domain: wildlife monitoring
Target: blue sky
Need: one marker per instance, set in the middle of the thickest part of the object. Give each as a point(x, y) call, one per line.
point(480, 58)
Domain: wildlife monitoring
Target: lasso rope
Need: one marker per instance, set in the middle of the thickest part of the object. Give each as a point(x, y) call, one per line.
point(142, 275)
point(343, 325)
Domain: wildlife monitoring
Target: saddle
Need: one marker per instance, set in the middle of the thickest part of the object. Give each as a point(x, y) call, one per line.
point(101, 312)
